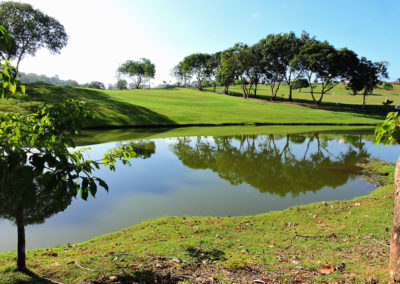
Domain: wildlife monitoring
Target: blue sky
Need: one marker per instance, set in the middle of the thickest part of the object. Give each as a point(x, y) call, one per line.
point(103, 34)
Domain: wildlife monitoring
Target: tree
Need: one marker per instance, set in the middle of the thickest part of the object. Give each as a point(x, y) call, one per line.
point(34, 156)
point(387, 133)
point(31, 30)
point(122, 84)
point(322, 63)
point(272, 63)
point(35, 160)
point(95, 85)
point(366, 76)
point(277, 55)
point(181, 73)
point(300, 83)
point(137, 71)
point(226, 73)
point(198, 65)
point(249, 59)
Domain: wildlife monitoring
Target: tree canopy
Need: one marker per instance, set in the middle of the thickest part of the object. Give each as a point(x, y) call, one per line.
point(366, 76)
point(198, 65)
point(277, 59)
point(31, 30)
point(137, 71)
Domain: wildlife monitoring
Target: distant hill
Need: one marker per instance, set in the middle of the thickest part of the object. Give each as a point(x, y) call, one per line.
point(32, 78)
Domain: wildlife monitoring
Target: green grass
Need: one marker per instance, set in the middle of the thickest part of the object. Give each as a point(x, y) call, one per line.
point(95, 136)
point(174, 107)
point(262, 246)
point(339, 94)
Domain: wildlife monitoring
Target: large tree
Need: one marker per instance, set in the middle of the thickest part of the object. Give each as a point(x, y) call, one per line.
point(181, 73)
point(198, 65)
point(31, 29)
point(227, 72)
point(366, 76)
point(272, 62)
point(322, 63)
point(277, 52)
point(138, 71)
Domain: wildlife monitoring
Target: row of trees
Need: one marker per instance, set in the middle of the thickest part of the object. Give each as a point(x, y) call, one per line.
point(283, 58)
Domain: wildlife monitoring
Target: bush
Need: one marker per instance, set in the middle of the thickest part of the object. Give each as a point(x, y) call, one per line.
point(387, 86)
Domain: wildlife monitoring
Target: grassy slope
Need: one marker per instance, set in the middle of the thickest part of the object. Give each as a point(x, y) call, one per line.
point(255, 247)
point(182, 106)
point(337, 95)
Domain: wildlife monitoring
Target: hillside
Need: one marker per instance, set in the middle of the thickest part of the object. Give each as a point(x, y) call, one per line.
point(173, 107)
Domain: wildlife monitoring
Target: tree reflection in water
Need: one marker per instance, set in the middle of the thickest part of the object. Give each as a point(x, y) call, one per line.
point(258, 161)
point(51, 202)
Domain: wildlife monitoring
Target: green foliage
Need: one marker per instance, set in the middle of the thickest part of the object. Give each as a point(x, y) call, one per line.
point(300, 83)
point(389, 130)
point(95, 85)
point(199, 65)
point(8, 73)
point(387, 86)
point(277, 53)
point(30, 30)
point(34, 153)
point(122, 84)
point(138, 70)
point(366, 76)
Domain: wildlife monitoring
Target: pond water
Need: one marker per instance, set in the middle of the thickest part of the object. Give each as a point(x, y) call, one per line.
point(211, 176)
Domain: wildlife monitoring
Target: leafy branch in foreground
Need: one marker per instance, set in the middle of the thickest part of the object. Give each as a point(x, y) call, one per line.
point(35, 160)
point(389, 130)
point(9, 82)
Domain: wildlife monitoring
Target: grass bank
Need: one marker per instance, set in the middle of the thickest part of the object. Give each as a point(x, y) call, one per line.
point(291, 245)
point(186, 107)
point(91, 136)
point(338, 94)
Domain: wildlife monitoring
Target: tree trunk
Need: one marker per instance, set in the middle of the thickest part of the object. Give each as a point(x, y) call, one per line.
point(21, 262)
point(364, 101)
point(226, 90)
point(290, 94)
point(395, 237)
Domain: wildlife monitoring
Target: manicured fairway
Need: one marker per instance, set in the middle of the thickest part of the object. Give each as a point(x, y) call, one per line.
point(157, 107)
point(339, 94)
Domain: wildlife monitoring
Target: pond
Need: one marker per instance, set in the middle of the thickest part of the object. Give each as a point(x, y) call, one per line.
point(243, 171)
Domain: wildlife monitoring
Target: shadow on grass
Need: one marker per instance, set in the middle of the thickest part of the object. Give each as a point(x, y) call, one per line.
point(142, 277)
point(34, 278)
point(370, 111)
point(200, 254)
point(106, 109)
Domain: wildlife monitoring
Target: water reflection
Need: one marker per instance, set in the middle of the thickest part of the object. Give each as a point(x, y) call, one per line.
point(47, 204)
point(258, 161)
point(204, 176)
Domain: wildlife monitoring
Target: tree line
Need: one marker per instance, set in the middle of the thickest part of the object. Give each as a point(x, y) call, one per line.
point(297, 61)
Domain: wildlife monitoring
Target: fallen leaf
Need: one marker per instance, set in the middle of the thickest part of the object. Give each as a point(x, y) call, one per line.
point(327, 269)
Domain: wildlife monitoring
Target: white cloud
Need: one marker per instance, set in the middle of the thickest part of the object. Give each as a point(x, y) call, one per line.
point(255, 15)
